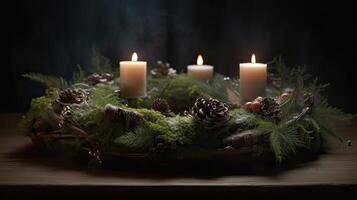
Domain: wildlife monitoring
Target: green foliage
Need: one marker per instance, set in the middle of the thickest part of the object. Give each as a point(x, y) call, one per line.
point(103, 94)
point(38, 108)
point(218, 83)
point(181, 91)
point(39, 105)
point(151, 115)
point(78, 75)
point(106, 133)
point(243, 118)
point(119, 133)
point(327, 118)
point(289, 76)
point(240, 120)
point(280, 67)
point(88, 117)
point(317, 90)
point(139, 140)
point(176, 130)
point(139, 103)
point(295, 102)
point(48, 80)
point(101, 63)
point(284, 140)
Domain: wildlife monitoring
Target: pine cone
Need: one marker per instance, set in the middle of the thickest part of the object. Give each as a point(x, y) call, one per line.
point(66, 116)
point(95, 78)
point(162, 69)
point(72, 96)
point(270, 108)
point(210, 113)
point(160, 105)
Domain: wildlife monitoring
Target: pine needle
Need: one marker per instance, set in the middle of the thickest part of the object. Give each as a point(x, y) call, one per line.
point(328, 118)
point(103, 95)
point(78, 75)
point(138, 140)
point(48, 80)
point(284, 140)
point(101, 63)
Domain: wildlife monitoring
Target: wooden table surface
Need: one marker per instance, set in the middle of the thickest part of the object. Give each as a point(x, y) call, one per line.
point(23, 171)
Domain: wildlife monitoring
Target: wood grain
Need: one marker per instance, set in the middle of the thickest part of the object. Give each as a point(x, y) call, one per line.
point(27, 170)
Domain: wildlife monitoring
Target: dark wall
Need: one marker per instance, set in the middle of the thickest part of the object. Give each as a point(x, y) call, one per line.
point(53, 36)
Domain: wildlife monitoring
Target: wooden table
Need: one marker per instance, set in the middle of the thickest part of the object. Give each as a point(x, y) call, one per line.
point(25, 172)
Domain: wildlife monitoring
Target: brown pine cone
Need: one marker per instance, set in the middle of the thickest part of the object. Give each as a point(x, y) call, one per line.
point(160, 105)
point(95, 78)
point(72, 96)
point(270, 108)
point(162, 69)
point(210, 113)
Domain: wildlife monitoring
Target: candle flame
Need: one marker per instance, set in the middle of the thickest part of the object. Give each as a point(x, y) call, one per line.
point(253, 58)
point(199, 60)
point(134, 57)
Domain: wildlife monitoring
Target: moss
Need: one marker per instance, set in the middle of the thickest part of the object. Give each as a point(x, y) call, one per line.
point(38, 108)
point(151, 115)
point(173, 129)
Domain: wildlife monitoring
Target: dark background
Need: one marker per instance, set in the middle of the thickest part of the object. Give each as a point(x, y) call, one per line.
point(53, 36)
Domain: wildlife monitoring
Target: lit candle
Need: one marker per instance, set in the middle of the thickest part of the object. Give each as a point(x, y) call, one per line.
point(133, 78)
point(253, 80)
point(200, 71)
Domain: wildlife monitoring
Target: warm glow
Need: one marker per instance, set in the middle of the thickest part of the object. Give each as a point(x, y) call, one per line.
point(199, 60)
point(253, 58)
point(134, 57)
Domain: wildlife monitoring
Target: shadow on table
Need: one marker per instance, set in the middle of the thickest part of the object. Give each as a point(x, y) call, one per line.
point(123, 167)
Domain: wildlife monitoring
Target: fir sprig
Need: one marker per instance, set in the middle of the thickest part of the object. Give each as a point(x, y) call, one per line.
point(78, 75)
point(101, 63)
point(284, 140)
point(328, 118)
point(48, 80)
point(103, 95)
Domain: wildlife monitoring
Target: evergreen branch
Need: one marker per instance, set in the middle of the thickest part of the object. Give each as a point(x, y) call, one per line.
point(101, 63)
point(328, 118)
point(103, 95)
point(284, 139)
point(78, 75)
point(295, 102)
point(48, 80)
point(138, 140)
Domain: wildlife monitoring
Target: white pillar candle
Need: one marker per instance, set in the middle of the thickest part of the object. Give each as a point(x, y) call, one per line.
point(200, 71)
point(133, 78)
point(253, 80)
